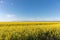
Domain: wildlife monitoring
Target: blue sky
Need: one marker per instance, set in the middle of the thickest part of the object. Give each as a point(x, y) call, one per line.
point(29, 10)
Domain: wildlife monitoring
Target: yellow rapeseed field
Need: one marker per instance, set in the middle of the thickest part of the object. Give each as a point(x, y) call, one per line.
point(29, 30)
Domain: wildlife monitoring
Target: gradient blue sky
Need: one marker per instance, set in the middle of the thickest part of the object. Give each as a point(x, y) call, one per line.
point(29, 10)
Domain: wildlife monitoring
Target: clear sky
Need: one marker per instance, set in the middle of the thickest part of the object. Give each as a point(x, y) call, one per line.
point(29, 10)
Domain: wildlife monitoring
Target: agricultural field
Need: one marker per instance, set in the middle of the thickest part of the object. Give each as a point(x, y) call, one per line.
point(29, 30)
